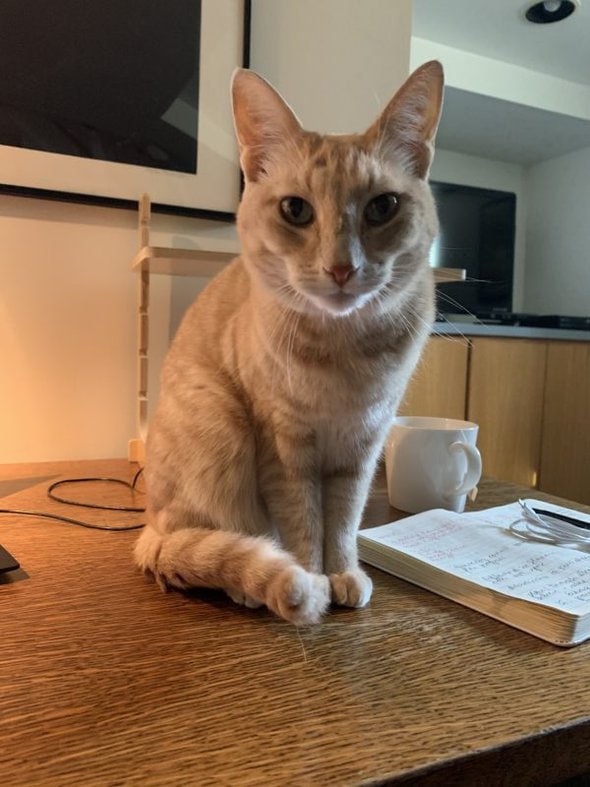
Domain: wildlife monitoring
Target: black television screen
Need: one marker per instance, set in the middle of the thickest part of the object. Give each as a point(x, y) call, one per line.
point(476, 233)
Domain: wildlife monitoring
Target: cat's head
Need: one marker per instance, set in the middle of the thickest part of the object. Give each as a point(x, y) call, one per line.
point(331, 223)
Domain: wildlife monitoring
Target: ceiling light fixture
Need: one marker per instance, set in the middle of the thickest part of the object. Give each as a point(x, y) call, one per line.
point(551, 11)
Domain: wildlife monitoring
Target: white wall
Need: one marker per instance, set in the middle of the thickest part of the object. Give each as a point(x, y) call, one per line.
point(558, 236)
point(67, 325)
point(66, 330)
point(337, 62)
point(451, 167)
point(489, 77)
point(67, 297)
point(552, 270)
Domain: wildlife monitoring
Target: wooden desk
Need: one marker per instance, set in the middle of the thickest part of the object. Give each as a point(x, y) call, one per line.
point(106, 681)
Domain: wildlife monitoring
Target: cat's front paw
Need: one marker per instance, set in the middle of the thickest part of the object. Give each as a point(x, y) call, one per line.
point(351, 588)
point(240, 597)
point(299, 596)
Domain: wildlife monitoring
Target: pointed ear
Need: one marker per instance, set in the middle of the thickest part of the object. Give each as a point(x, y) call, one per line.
point(407, 126)
point(264, 122)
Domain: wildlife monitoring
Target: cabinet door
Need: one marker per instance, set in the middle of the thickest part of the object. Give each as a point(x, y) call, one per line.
point(565, 457)
point(506, 383)
point(438, 386)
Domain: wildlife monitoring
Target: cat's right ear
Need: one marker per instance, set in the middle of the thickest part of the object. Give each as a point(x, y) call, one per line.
point(407, 126)
point(264, 121)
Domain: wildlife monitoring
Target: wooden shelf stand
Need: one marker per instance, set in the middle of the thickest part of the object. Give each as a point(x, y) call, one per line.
point(159, 260)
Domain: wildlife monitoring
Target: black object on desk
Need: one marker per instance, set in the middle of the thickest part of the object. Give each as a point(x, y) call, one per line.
point(561, 321)
point(7, 562)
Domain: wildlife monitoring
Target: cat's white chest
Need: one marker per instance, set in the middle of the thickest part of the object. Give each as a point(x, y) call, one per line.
point(376, 415)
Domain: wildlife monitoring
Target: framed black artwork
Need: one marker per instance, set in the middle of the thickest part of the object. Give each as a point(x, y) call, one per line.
point(103, 101)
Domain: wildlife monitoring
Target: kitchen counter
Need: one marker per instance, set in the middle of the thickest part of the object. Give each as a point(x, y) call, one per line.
point(459, 328)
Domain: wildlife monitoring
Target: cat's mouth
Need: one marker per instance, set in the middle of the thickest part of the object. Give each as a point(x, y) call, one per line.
point(330, 300)
point(340, 302)
point(341, 297)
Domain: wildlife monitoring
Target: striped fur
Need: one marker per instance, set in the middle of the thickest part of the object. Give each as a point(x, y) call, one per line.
point(280, 385)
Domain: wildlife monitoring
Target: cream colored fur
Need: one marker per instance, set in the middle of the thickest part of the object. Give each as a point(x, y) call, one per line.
point(281, 383)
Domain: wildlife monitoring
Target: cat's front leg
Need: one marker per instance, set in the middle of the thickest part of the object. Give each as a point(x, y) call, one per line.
point(293, 501)
point(292, 490)
point(345, 491)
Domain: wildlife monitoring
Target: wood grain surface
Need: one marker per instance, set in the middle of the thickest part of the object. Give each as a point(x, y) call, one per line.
point(506, 384)
point(438, 387)
point(566, 425)
point(104, 680)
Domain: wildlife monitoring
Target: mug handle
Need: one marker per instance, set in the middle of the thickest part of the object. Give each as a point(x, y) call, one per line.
point(473, 473)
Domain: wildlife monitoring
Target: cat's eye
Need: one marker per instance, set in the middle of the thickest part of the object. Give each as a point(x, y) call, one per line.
point(296, 210)
point(381, 209)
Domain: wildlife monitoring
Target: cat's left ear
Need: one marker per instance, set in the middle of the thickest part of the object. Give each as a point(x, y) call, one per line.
point(407, 126)
point(264, 121)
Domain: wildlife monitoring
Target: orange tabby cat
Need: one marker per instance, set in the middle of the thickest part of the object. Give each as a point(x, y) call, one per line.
point(279, 388)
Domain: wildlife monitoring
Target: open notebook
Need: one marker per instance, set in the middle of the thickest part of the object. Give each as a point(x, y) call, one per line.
point(477, 560)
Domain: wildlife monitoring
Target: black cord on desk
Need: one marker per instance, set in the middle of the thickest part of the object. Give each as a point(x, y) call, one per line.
point(59, 518)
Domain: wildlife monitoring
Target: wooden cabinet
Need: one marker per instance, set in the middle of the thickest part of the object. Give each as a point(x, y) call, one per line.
point(439, 384)
point(530, 397)
point(506, 385)
point(565, 455)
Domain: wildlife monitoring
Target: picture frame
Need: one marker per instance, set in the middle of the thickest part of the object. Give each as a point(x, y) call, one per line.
point(212, 191)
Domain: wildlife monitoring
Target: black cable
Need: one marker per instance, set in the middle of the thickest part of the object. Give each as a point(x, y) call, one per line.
point(59, 518)
point(69, 521)
point(129, 485)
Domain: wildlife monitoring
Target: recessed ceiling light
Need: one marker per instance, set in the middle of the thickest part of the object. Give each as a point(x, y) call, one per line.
point(551, 11)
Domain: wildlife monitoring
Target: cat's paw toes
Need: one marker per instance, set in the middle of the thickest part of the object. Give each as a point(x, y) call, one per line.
point(298, 596)
point(351, 588)
point(242, 598)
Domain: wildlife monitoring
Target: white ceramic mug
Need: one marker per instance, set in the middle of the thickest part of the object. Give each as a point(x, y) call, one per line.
point(431, 463)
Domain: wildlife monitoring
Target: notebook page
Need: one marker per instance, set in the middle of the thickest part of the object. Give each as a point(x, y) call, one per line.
point(480, 548)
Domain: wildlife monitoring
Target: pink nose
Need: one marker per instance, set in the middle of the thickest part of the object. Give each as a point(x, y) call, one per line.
point(340, 273)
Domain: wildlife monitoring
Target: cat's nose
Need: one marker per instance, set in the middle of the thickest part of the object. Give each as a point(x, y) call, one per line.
point(340, 273)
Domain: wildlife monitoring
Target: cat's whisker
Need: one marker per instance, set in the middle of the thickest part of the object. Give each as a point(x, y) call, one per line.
point(283, 325)
point(443, 296)
point(399, 316)
point(444, 337)
point(290, 345)
point(457, 333)
point(460, 310)
point(411, 329)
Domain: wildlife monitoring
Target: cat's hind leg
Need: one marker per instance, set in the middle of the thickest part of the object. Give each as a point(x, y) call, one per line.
point(206, 524)
point(250, 568)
